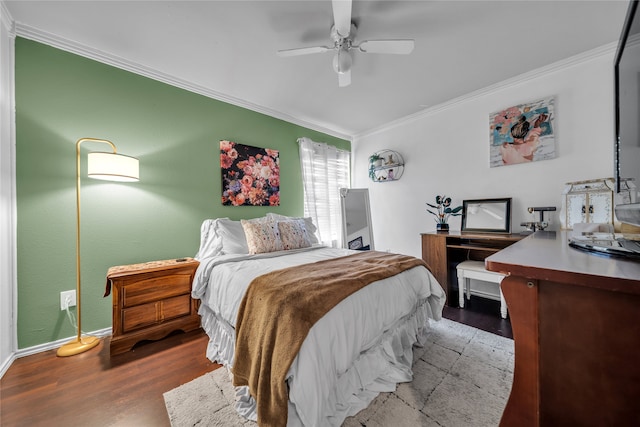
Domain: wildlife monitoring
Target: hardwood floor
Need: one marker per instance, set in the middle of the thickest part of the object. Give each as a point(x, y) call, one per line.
point(480, 313)
point(94, 390)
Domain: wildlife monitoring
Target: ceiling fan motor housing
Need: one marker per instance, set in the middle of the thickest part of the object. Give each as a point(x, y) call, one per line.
point(337, 37)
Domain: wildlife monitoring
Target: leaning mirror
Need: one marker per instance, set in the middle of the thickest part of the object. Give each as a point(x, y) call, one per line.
point(356, 219)
point(487, 216)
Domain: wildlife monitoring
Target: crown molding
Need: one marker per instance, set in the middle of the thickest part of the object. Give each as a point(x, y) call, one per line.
point(7, 19)
point(608, 49)
point(71, 46)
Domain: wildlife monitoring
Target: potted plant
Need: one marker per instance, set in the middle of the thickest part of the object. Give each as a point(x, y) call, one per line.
point(442, 210)
point(375, 160)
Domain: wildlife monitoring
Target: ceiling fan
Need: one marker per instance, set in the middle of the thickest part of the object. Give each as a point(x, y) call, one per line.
point(343, 34)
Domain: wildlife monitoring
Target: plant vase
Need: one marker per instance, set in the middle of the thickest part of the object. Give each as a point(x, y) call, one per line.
point(442, 227)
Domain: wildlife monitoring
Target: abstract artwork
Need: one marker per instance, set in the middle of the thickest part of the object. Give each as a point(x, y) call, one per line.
point(523, 134)
point(250, 175)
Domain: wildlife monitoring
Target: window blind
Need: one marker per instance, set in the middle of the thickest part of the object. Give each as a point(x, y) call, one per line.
point(325, 169)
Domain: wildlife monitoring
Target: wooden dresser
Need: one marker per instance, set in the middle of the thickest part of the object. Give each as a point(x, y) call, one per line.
point(442, 251)
point(576, 324)
point(150, 300)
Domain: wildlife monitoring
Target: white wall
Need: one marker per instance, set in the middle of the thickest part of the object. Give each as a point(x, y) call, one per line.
point(446, 150)
point(7, 185)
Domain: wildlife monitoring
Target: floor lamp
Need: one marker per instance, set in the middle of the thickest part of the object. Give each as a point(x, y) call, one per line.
point(110, 167)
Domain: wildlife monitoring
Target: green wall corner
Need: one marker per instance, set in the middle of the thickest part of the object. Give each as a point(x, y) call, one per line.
point(61, 97)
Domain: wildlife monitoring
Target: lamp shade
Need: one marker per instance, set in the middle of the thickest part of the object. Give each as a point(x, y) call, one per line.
point(112, 167)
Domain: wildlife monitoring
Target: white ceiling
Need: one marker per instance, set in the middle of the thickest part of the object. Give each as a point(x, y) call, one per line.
point(228, 48)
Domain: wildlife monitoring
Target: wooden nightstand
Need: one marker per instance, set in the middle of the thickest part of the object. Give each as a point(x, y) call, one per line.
point(150, 300)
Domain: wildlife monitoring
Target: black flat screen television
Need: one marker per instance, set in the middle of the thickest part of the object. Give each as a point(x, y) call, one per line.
point(627, 113)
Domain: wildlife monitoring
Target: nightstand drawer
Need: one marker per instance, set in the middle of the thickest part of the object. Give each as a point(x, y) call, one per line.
point(156, 288)
point(155, 312)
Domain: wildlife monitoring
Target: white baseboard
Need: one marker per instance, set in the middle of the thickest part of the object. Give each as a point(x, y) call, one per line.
point(6, 364)
point(101, 333)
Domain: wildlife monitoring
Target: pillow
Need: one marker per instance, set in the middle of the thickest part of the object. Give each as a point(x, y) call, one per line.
point(308, 224)
point(293, 234)
point(232, 237)
point(210, 241)
point(261, 236)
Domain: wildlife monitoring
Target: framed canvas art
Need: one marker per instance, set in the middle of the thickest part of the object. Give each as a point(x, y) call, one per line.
point(523, 133)
point(250, 175)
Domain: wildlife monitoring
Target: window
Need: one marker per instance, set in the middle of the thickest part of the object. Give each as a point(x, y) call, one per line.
point(325, 169)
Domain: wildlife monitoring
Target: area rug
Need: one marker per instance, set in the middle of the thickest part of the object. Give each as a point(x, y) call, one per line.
point(461, 377)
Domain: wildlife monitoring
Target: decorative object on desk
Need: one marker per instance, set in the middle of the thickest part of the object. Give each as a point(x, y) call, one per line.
point(487, 215)
point(523, 133)
point(250, 175)
point(593, 201)
point(442, 227)
point(109, 167)
point(385, 166)
point(533, 226)
point(442, 210)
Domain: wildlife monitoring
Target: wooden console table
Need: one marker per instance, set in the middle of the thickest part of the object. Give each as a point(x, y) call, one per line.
point(575, 319)
point(442, 251)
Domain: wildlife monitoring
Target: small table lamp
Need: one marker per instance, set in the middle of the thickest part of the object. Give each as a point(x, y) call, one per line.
point(105, 166)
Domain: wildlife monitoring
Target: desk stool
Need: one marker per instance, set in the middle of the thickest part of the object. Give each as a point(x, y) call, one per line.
point(468, 270)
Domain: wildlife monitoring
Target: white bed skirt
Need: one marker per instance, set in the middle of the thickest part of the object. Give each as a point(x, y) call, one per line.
point(377, 369)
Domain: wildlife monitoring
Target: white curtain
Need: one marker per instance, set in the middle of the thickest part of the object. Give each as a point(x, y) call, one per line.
point(325, 169)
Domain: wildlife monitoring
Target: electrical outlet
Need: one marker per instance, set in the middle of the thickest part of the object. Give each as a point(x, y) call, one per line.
point(67, 299)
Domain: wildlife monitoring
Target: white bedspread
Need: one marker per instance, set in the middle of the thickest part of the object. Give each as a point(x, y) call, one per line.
point(361, 347)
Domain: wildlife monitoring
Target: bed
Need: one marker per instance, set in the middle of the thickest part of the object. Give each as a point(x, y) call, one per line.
point(361, 347)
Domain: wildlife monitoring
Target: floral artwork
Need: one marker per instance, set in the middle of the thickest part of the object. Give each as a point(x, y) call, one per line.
point(250, 175)
point(523, 134)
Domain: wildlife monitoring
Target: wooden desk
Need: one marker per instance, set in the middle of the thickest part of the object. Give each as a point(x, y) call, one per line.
point(442, 251)
point(575, 319)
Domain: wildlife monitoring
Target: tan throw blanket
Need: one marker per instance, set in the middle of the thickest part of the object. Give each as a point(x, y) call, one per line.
point(279, 309)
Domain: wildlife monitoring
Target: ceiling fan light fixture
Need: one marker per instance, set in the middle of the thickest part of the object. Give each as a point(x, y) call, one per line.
point(342, 61)
point(343, 33)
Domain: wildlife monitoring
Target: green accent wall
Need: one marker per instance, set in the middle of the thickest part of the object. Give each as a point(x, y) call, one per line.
point(61, 97)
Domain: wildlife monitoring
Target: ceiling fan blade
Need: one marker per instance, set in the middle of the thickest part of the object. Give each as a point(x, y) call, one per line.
point(302, 51)
point(342, 17)
point(344, 79)
point(400, 47)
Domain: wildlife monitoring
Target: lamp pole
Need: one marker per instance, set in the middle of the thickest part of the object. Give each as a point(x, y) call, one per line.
point(114, 167)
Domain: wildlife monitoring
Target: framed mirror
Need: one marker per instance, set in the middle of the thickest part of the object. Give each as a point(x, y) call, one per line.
point(356, 219)
point(487, 216)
